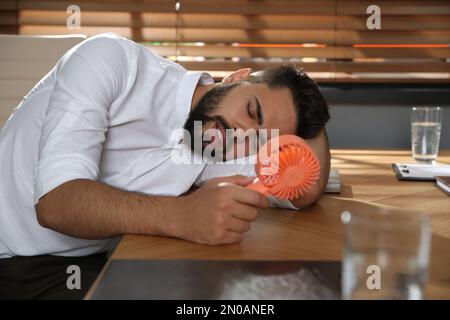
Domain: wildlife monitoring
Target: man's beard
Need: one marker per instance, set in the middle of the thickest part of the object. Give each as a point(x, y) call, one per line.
point(203, 112)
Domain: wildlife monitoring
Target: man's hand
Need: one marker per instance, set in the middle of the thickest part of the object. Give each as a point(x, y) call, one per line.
point(220, 212)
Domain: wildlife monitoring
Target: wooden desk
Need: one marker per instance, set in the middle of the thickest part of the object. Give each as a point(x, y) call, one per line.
point(316, 233)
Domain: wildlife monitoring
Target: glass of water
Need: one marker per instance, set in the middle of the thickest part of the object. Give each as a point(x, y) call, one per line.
point(386, 254)
point(425, 133)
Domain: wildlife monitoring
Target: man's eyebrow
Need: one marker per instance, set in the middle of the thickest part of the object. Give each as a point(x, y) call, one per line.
point(259, 112)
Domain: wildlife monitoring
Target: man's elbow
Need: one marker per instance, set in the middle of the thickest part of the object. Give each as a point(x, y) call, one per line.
point(52, 206)
point(43, 213)
point(309, 198)
point(48, 208)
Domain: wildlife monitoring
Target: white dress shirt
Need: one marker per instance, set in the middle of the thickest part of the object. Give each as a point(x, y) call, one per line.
point(105, 112)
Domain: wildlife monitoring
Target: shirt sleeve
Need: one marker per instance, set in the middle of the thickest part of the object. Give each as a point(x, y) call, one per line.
point(89, 78)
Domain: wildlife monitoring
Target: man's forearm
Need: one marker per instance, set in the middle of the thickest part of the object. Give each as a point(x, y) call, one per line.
point(92, 210)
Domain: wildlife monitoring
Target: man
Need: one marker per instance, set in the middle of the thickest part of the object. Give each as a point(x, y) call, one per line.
point(87, 155)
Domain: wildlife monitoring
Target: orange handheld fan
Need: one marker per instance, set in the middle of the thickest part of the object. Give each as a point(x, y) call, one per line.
point(286, 168)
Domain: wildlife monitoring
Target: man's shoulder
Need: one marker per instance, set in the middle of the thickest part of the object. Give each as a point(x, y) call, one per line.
point(109, 48)
point(108, 40)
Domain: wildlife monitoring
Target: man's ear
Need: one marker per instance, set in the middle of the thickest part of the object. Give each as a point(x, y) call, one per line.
point(238, 75)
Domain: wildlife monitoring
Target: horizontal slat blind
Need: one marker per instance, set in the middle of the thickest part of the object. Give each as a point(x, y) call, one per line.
point(9, 17)
point(328, 37)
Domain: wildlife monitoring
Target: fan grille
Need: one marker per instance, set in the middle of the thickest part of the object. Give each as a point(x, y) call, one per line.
point(290, 170)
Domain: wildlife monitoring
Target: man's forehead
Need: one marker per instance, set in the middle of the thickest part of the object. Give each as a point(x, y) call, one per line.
point(279, 108)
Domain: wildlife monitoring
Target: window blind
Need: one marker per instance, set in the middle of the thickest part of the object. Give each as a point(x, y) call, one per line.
point(328, 38)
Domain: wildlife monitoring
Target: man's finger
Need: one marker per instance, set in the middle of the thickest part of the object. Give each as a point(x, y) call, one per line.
point(239, 225)
point(244, 212)
point(251, 197)
point(232, 237)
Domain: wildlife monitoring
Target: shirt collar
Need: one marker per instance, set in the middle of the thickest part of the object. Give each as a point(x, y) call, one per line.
point(187, 88)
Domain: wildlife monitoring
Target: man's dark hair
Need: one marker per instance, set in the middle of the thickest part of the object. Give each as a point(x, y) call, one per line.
point(311, 107)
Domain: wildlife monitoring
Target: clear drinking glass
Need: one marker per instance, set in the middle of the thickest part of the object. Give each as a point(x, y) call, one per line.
point(425, 133)
point(386, 254)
